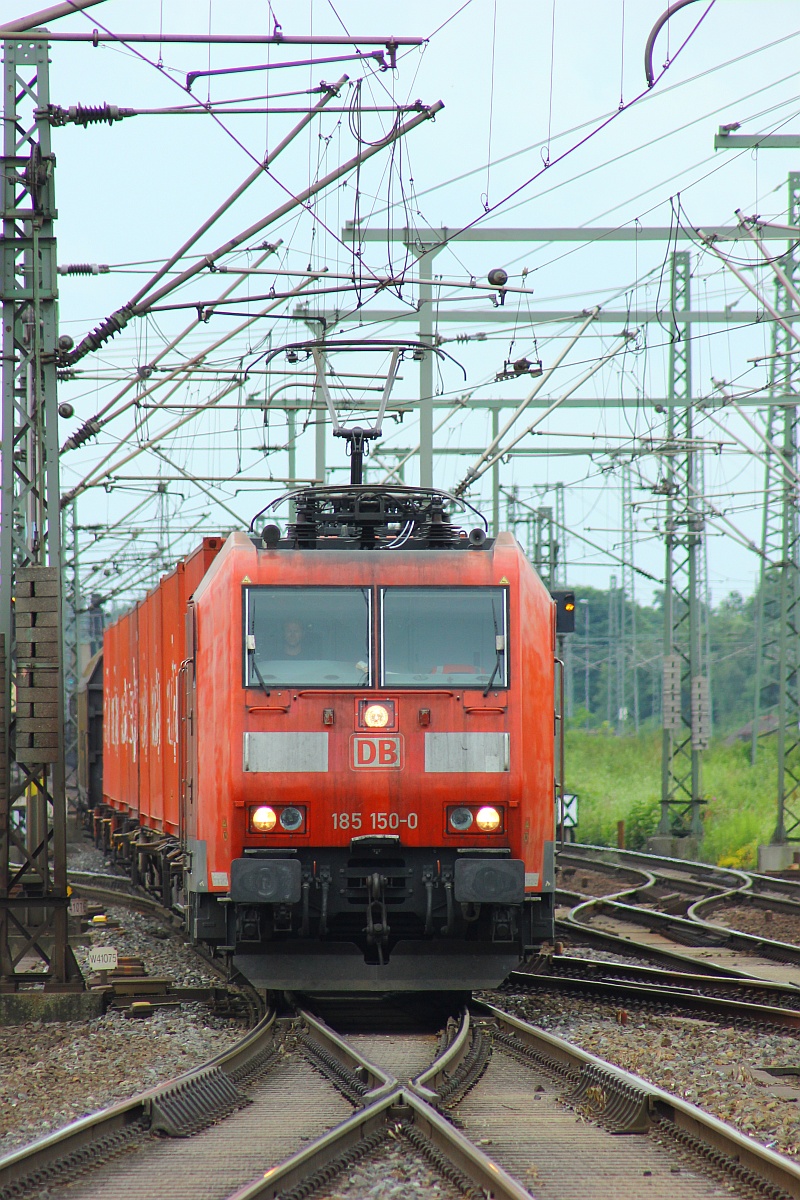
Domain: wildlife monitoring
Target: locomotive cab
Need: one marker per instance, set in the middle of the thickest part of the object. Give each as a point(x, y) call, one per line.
point(369, 799)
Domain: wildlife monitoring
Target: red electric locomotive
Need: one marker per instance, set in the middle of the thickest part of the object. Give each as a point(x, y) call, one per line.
point(343, 736)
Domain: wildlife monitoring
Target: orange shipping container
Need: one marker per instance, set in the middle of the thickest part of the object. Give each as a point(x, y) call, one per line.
point(143, 653)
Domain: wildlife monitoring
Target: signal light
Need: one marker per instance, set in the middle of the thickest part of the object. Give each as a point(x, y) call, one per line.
point(565, 611)
point(460, 819)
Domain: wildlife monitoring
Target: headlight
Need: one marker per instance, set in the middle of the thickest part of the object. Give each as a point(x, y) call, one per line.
point(376, 716)
point(460, 819)
point(488, 819)
point(263, 818)
point(291, 819)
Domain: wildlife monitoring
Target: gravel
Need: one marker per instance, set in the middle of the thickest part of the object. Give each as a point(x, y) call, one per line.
point(593, 883)
point(56, 1072)
point(396, 1173)
point(83, 856)
point(720, 1069)
point(163, 951)
point(762, 922)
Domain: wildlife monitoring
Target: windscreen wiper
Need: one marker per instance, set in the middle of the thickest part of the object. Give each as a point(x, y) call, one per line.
point(251, 650)
point(499, 649)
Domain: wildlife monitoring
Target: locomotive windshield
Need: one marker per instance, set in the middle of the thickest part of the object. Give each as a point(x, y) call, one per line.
point(307, 637)
point(447, 637)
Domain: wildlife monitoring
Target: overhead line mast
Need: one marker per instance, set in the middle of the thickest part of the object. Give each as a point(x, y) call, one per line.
point(33, 864)
point(778, 600)
point(34, 947)
point(685, 701)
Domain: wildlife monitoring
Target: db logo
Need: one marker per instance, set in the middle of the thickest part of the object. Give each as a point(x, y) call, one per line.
point(382, 752)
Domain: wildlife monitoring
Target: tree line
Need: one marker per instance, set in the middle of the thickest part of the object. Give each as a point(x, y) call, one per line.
point(614, 661)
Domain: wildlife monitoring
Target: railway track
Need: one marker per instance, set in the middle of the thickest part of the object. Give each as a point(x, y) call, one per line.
point(490, 1105)
point(130, 986)
point(494, 1106)
point(675, 881)
point(673, 902)
point(731, 1000)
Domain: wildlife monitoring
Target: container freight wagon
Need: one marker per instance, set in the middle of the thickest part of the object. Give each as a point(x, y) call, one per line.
point(143, 665)
point(334, 749)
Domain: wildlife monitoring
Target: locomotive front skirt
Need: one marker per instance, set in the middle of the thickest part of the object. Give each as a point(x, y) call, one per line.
point(349, 746)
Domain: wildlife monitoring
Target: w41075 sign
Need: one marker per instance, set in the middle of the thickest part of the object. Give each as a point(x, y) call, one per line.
point(102, 958)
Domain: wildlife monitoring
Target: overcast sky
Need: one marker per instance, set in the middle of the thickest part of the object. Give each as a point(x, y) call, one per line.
point(523, 84)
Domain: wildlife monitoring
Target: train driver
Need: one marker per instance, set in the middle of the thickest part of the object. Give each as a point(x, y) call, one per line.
point(292, 639)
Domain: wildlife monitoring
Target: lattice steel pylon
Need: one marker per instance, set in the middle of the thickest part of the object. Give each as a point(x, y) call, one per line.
point(703, 593)
point(546, 541)
point(615, 671)
point(71, 615)
point(545, 534)
point(33, 883)
point(628, 620)
point(765, 667)
point(777, 667)
point(685, 685)
point(560, 567)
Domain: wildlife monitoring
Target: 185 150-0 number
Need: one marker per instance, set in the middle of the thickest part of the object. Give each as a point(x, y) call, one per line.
point(380, 820)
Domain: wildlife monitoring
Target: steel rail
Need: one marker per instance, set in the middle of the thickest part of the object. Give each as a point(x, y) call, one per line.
point(690, 932)
point(756, 900)
point(110, 888)
point(380, 1082)
point(47, 1153)
point(672, 959)
point(98, 1127)
point(771, 885)
point(445, 1064)
point(399, 1107)
point(411, 1103)
point(117, 889)
point(661, 994)
point(657, 1103)
point(567, 928)
point(692, 929)
point(759, 890)
point(378, 1095)
point(728, 986)
point(727, 877)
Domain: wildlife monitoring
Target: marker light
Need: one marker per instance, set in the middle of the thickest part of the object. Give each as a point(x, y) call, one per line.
point(488, 819)
point(460, 819)
point(376, 716)
point(291, 819)
point(263, 818)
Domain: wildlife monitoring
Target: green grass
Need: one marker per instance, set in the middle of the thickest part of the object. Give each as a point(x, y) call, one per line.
point(619, 779)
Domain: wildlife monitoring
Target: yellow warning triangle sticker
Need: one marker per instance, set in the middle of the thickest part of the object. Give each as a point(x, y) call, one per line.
point(247, 579)
point(504, 580)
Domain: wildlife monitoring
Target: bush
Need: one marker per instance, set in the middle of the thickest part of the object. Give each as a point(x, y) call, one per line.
point(619, 779)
